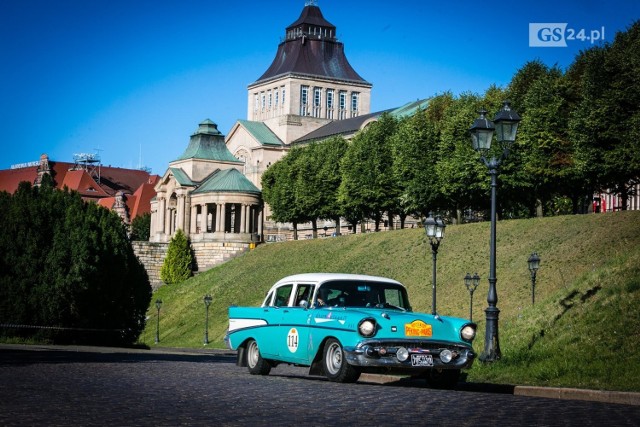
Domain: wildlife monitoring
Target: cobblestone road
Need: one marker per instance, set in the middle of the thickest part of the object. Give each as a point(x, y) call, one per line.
point(106, 387)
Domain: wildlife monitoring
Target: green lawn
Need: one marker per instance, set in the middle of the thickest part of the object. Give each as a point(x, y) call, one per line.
point(582, 332)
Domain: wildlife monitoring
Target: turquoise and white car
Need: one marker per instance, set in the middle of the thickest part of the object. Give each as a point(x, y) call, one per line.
point(341, 325)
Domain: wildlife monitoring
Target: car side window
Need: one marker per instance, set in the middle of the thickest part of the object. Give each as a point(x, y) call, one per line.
point(267, 299)
point(282, 296)
point(303, 293)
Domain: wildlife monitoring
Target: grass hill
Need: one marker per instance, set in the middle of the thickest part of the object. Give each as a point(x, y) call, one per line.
point(582, 331)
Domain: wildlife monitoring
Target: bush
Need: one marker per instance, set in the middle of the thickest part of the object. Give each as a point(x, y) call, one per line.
point(177, 265)
point(69, 265)
point(141, 227)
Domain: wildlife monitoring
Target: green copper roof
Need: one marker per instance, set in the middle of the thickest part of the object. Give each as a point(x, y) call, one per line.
point(181, 177)
point(227, 181)
point(410, 108)
point(208, 143)
point(261, 133)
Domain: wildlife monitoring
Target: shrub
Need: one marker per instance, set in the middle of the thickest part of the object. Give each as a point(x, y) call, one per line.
point(177, 265)
point(141, 227)
point(69, 266)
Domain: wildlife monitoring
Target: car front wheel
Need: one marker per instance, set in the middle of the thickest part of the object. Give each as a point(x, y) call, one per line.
point(335, 364)
point(256, 364)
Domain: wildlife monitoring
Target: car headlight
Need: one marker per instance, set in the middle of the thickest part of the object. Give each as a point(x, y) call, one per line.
point(367, 327)
point(402, 354)
point(446, 355)
point(468, 332)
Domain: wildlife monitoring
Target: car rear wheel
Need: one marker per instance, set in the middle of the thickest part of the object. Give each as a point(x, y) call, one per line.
point(443, 378)
point(335, 364)
point(256, 364)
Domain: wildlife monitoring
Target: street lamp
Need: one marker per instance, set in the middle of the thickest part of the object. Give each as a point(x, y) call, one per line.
point(506, 127)
point(158, 305)
point(471, 283)
point(534, 265)
point(207, 302)
point(434, 227)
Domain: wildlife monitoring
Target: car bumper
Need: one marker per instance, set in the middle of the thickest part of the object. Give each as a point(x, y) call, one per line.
point(428, 355)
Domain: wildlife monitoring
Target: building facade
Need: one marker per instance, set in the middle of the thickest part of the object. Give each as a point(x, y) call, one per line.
point(205, 194)
point(309, 84)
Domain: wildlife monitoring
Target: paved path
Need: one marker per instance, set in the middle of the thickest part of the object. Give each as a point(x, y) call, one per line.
point(93, 386)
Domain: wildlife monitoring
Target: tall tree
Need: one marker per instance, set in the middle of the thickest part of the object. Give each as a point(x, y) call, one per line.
point(368, 186)
point(329, 154)
point(280, 193)
point(415, 148)
point(543, 141)
point(462, 179)
point(606, 124)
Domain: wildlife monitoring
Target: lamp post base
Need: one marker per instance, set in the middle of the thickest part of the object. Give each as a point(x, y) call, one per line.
point(491, 351)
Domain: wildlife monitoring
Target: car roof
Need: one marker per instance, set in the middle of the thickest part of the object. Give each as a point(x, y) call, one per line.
point(318, 278)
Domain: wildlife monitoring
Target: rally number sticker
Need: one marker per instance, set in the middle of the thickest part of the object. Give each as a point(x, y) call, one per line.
point(292, 340)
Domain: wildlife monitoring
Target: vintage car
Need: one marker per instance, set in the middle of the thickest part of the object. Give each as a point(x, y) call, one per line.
point(341, 325)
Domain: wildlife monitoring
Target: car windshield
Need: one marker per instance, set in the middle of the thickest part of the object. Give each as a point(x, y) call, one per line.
point(370, 294)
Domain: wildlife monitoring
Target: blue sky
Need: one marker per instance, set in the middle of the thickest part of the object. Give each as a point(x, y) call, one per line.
point(131, 80)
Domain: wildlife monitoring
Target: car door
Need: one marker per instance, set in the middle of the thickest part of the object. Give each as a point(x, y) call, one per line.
point(270, 341)
point(294, 327)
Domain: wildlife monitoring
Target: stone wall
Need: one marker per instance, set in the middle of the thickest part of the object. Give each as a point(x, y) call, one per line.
point(207, 255)
point(210, 254)
point(151, 255)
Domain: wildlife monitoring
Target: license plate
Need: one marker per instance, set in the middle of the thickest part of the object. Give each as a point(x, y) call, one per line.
point(421, 360)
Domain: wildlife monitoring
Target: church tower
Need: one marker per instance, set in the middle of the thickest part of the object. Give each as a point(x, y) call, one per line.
point(309, 83)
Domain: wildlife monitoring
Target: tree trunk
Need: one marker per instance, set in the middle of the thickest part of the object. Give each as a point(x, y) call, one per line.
point(624, 197)
point(295, 230)
point(314, 227)
point(539, 212)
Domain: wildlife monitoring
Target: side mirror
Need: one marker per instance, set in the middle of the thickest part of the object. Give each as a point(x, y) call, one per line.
point(303, 303)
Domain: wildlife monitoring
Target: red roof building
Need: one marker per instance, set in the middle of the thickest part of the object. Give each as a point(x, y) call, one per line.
point(128, 191)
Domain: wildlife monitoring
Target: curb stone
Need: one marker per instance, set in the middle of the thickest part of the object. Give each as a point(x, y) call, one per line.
point(621, 397)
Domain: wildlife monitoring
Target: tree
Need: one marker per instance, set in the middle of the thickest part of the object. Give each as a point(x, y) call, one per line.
point(368, 186)
point(544, 143)
point(606, 124)
point(414, 148)
point(308, 183)
point(280, 193)
point(329, 154)
point(69, 265)
point(141, 227)
point(177, 264)
point(462, 179)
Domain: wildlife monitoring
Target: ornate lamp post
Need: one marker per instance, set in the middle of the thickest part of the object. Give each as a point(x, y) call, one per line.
point(434, 227)
point(158, 305)
point(534, 264)
point(506, 127)
point(471, 283)
point(207, 302)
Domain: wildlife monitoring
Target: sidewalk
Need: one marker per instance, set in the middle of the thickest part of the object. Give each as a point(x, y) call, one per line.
point(603, 396)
